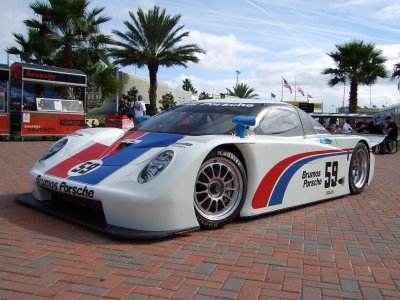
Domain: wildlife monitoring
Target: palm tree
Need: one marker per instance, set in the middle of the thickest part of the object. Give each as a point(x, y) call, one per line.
point(66, 34)
point(358, 63)
point(153, 39)
point(34, 49)
point(204, 95)
point(188, 86)
point(69, 25)
point(49, 35)
point(396, 74)
point(242, 90)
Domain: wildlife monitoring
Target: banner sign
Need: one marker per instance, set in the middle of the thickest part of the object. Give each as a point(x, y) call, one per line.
point(54, 77)
point(298, 103)
point(307, 107)
point(35, 123)
point(23, 72)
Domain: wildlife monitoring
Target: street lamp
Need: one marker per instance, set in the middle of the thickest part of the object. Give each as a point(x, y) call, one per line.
point(237, 76)
point(344, 93)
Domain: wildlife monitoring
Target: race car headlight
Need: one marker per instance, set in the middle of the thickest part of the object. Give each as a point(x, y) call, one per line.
point(54, 149)
point(155, 166)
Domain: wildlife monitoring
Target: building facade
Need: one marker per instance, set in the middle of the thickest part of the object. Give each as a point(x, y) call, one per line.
point(98, 106)
point(143, 84)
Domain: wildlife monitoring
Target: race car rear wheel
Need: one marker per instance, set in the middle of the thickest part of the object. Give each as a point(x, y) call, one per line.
point(359, 169)
point(220, 189)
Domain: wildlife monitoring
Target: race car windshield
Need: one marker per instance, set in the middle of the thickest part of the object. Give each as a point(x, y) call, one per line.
point(200, 118)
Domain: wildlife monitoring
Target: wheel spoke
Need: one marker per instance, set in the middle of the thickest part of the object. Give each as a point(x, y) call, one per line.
point(229, 181)
point(202, 183)
point(209, 205)
point(201, 192)
point(206, 175)
point(223, 203)
point(220, 171)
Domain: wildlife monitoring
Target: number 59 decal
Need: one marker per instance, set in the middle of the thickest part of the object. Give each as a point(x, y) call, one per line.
point(331, 174)
point(84, 168)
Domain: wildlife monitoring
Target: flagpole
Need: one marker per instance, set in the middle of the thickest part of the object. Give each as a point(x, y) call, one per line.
point(282, 90)
point(295, 88)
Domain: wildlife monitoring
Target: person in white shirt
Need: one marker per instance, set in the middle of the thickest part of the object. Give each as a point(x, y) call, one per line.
point(347, 127)
point(138, 108)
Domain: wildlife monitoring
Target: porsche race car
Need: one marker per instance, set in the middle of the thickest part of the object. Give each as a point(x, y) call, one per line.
point(198, 165)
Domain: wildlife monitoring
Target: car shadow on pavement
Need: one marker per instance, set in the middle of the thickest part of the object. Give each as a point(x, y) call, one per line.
point(21, 221)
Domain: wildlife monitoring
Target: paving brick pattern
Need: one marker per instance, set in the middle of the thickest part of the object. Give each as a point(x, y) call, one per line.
point(347, 248)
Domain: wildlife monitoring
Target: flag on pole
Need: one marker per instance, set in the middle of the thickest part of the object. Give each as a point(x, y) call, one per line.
point(287, 85)
point(299, 89)
point(273, 95)
point(309, 96)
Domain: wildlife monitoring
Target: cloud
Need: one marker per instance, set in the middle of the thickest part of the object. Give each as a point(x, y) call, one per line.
point(11, 20)
point(202, 84)
point(223, 52)
point(266, 78)
point(389, 13)
point(300, 52)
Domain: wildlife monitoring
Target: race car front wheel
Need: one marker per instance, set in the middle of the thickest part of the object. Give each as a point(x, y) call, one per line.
point(359, 169)
point(220, 189)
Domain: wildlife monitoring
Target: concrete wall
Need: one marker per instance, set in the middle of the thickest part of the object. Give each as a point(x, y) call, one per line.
point(143, 84)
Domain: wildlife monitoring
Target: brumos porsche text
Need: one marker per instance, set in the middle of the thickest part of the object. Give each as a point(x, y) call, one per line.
point(311, 178)
point(65, 187)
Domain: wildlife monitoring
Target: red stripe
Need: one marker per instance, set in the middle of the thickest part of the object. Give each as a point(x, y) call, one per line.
point(262, 195)
point(95, 151)
point(92, 152)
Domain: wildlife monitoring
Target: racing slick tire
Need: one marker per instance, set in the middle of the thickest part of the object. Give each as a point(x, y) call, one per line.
point(359, 169)
point(220, 189)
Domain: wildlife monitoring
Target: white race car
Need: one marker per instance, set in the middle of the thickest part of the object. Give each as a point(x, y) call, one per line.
point(201, 164)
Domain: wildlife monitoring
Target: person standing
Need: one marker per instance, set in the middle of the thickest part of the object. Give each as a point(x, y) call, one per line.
point(347, 127)
point(138, 108)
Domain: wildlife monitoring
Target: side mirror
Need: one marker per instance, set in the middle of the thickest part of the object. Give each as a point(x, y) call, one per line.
point(142, 119)
point(241, 123)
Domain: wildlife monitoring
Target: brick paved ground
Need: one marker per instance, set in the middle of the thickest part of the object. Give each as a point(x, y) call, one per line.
point(345, 248)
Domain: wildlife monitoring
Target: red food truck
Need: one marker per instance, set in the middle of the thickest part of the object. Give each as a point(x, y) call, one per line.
point(4, 115)
point(46, 101)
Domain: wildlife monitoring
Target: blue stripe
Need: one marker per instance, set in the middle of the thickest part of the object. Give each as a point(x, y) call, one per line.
point(120, 158)
point(280, 188)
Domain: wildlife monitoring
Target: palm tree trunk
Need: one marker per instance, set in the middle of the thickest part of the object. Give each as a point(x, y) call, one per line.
point(67, 64)
point(153, 89)
point(353, 95)
point(68, 54)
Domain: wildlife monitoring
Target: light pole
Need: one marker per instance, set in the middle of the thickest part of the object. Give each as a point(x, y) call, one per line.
point(237, 76)
point(370, 101)
point(344, 93)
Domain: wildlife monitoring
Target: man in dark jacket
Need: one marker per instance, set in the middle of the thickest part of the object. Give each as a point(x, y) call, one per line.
point(392, 131)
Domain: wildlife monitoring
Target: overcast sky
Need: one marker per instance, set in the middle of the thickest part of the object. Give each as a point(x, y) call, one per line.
point(263, 39)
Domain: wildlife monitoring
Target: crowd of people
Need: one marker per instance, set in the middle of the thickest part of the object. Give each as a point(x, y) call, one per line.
point(389, 129)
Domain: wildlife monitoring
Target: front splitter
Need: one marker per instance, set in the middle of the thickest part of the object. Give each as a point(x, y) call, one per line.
point(92, 219)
